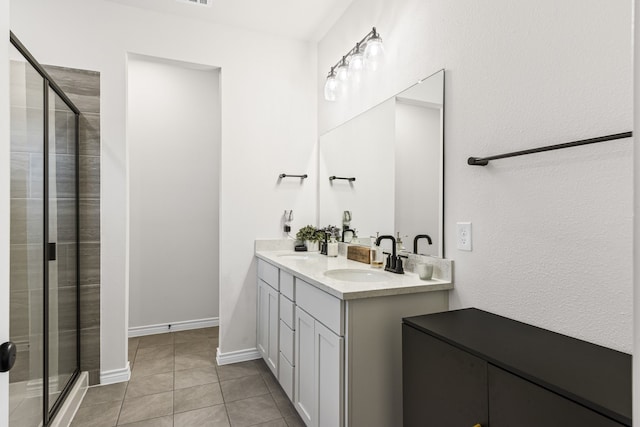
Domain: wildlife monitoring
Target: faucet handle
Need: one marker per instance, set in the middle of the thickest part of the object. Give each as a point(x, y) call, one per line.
point(399, 269)
point(388, 264)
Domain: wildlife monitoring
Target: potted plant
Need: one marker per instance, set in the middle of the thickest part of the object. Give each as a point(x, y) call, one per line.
point(311, 236)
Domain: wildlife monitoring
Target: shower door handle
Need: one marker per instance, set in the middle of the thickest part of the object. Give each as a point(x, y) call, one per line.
point(52, 252)
point(7, 356)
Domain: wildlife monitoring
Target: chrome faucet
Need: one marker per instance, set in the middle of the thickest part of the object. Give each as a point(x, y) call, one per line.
point(418, 237)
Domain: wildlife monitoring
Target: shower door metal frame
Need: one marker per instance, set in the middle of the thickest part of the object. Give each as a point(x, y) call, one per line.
point(48, 413)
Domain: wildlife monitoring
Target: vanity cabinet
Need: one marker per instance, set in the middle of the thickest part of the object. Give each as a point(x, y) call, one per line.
point(469, 367)
point(338, 359)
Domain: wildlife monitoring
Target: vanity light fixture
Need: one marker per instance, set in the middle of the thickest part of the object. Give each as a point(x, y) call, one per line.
point(367, 53)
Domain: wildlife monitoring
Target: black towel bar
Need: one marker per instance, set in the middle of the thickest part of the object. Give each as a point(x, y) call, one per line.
point(483, 161)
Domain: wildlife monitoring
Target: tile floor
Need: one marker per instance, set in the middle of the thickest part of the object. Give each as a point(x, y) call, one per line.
point(175, 382)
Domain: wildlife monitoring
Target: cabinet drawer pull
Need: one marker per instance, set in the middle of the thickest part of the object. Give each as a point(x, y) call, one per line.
point(477, 425)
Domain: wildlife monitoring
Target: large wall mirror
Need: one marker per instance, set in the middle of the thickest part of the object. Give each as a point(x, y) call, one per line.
point(395, 153)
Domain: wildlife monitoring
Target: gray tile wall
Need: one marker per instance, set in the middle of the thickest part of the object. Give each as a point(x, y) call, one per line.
point(83, 88)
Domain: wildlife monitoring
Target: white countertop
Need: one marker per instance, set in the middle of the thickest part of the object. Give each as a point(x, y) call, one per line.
point(313, 268)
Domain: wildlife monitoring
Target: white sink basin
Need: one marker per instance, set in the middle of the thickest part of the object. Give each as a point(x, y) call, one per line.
point(356, 275)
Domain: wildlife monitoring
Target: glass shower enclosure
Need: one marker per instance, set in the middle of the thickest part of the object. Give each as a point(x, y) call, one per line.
point(44, 292)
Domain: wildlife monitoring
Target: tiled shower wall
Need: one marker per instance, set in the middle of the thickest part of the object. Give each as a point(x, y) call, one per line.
point(83, 88)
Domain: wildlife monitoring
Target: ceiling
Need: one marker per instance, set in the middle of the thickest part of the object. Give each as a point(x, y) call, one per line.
point(299, 19)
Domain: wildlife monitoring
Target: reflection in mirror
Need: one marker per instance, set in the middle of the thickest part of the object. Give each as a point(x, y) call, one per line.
point(395, 152)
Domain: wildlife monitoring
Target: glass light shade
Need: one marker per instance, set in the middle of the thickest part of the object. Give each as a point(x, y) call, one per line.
point(342, 73)
point(357, 62)
point(373, 53)
point(331, 88)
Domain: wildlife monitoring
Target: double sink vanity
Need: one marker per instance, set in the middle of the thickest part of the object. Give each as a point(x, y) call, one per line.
point(330, 331)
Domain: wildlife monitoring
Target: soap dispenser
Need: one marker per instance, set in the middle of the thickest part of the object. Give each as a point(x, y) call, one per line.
point(399, 246)
point(332, 247)
point(375, 253)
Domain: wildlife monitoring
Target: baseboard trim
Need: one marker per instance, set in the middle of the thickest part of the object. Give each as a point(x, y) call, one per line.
point(237, 356)
point(72, 402)
point(139, 331)
point(115, 375)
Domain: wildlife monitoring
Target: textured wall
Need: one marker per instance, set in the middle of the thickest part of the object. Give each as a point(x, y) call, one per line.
point(551, 232)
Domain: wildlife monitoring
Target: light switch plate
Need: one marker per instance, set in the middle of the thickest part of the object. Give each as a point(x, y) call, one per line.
point(464, 236)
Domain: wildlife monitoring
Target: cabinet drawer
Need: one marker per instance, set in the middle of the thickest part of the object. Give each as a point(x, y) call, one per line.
point(514, 401)
point(325, 308)
point(286, 376)
point(268, 273)
point(286, 285)
point(286, 342)
point(286, 311)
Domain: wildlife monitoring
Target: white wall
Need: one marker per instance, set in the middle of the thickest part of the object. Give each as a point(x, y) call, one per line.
point(268, 127)
point(5, 180)
point(173, 132)
point(551, 232)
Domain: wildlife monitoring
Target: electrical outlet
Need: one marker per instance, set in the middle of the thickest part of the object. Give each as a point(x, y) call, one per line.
point(464, 236)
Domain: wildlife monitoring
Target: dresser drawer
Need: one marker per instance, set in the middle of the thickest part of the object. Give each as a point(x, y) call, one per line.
point(287, 311)
point(286, 285)
point(325, 308)
point(269, 274)
point(286, 376)
point(286, 342)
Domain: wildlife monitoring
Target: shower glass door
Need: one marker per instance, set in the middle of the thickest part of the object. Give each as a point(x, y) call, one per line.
point(44, 299)
point(63, 236)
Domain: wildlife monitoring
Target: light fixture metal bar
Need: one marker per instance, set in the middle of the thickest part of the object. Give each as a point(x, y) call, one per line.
point(352, 51)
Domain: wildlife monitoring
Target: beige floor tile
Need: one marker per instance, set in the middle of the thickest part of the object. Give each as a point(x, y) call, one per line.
point(275, 423)
point(155, 340)
point(252, 411)
point(155, 352)
point(146, 407)
point(151, 384)
point(193, 377)
point(104, 393)
point(213, 416)
point(237, 370)
point(295, 421)
point(133, 343)
point(272, 382)
point(99, 415)
point(205, 344)
point(201, 396)
point(154, 422)
point(242, 388)
point(284, 404)
point(147, 367)
point(194, 360)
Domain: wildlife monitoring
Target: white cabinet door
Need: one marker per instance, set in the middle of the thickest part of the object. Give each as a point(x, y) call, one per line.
point(328, 376)
point(305, 394)
point(274, 330)
point(268, 325)
point(263, 319)
point(319, 367)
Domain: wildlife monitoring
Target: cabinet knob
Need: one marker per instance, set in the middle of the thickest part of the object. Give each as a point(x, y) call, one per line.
point(477, 425)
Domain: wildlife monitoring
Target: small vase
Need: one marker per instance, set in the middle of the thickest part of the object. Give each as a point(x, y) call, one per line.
point(312, 246)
